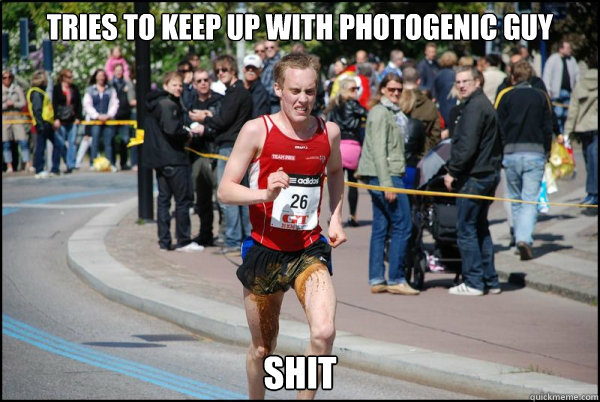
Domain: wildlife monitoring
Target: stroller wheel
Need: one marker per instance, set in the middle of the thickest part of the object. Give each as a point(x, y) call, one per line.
point(415, 273)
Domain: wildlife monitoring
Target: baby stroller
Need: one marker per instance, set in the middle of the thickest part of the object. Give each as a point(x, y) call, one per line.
point(437, 215)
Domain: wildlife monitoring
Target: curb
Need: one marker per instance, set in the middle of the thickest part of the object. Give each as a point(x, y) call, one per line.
point(88, 258)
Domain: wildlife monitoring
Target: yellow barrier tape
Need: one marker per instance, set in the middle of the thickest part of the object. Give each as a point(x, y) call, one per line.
point(401, 190)
point(83, 122)
point(213, 156)
point(138, 140)
point(26, 114)
point(460, 195)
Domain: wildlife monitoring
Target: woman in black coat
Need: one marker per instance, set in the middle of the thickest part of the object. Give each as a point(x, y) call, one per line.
point(66, 101)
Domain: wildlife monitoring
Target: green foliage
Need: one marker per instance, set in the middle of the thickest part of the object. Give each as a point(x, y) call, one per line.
point(84, 57)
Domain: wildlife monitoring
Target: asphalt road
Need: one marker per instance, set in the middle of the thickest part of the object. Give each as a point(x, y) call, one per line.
point(62, 340)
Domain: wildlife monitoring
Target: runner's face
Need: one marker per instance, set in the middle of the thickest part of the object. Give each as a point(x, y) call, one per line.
point(298, 93)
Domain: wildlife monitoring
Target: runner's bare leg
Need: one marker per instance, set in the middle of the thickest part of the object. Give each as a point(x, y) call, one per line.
point(262, 313)
point(315, 292)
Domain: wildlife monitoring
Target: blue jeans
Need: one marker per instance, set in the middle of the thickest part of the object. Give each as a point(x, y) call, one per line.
point(473, 233)
point(7, 151)
point(524, 173)
point(68, 132)
point(589, 145)
point(44, 132)
point(395, 218)
point(564, 97)
point(107, 133)
point(237, 217)
point(59, 150)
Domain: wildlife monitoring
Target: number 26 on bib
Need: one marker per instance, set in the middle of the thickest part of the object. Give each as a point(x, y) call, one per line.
point(297, 207)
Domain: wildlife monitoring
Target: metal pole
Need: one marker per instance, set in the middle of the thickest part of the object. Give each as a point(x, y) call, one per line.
point(241, 44)
point(142, 88)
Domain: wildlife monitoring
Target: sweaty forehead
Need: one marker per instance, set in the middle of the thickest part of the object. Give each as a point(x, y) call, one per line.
point(300, 78)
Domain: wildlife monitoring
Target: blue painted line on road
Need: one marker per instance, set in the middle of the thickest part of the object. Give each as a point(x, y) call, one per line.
point(53, 344)
point(60, 197)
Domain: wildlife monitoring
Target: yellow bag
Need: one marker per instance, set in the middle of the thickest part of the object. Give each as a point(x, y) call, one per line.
point(562, 162)
point(101, 164)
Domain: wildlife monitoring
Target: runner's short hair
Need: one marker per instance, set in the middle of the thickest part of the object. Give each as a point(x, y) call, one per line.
point(299, 61)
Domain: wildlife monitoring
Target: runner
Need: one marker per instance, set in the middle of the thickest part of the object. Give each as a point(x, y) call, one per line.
point(287, 154)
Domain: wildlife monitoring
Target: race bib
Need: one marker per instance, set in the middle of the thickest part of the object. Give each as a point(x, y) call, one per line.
point(297, 207)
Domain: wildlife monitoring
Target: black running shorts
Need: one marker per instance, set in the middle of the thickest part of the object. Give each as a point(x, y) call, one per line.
point(267, 271)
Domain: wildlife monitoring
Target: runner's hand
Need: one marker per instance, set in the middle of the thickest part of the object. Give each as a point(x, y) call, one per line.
point(275, 183)
point(336, 234)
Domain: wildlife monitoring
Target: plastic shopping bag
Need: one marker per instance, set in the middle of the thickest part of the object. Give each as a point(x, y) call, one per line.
point(101, 164)
point(551, 186)
point(543, 207)
point(563, 164)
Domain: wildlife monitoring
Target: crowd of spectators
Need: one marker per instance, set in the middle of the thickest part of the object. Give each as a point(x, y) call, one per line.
point(390, 116)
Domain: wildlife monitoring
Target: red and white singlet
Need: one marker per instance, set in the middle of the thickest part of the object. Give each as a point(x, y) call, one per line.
point(291, 222)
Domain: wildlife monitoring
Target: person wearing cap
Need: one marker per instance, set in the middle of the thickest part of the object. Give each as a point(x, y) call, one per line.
point(260, 97)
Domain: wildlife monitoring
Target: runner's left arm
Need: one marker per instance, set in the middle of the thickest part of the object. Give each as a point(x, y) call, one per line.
point(335, 185)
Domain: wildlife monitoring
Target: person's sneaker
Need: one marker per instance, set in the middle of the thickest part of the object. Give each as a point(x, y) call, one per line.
point(191, 247)
point(494, 291)
point(69, 171)
point(113, 169)
point(205, 242)
point(233, 251)
point(42, 175)
point(168, 248)
point(587, 200)
point(464, 290)
point(379, 288)
point(353, 223)
point(434, 264)
point(525, 251)
point(402, 289)
point(54, 174)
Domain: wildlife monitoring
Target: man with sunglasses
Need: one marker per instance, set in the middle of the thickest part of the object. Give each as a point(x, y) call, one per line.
point(259, 49)
point(273, 56)
point(475, 162)
point(204, 173)
point(224, 127)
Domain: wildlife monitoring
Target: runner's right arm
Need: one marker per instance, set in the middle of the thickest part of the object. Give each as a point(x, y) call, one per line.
point(247, 147)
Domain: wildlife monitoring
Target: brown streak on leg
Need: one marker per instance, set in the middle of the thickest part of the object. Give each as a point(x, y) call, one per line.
point(300, 281)
point(268, 321)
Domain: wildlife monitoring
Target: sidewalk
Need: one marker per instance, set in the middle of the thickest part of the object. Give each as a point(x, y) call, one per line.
point(532, 343)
